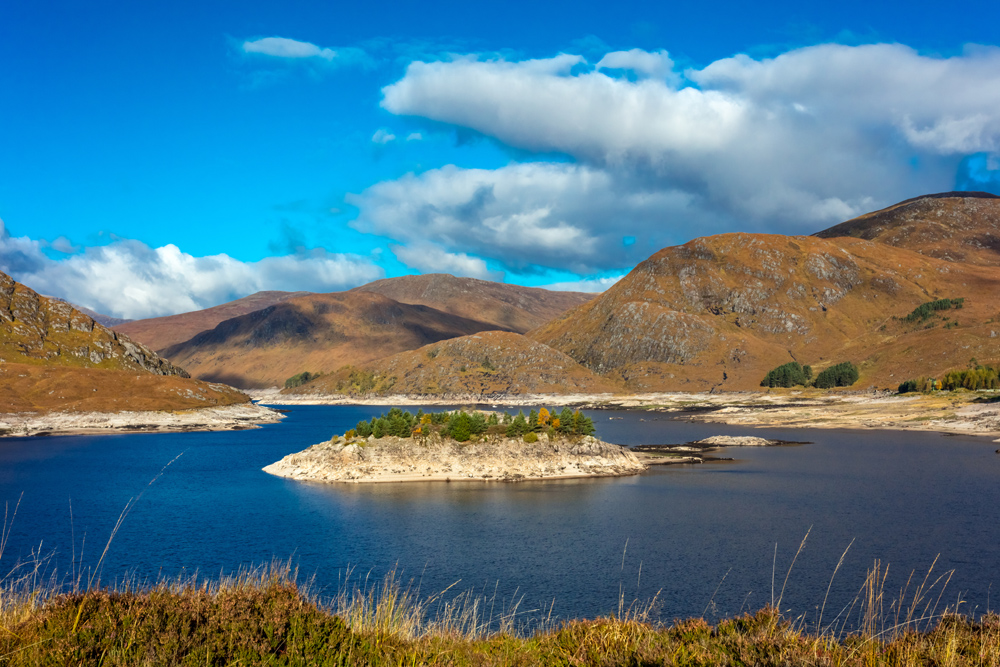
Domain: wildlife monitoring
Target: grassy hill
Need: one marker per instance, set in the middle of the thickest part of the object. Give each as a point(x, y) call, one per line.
point(953, 226)
point(491, 363)
point(509, 307)
point(721, 311)
point(159, 333)
point(320, 332)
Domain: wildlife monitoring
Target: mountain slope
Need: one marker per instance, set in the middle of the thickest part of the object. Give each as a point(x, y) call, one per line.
point(319, 332)
point(159, 333)
point(56, 358)
point(721, 311)
point(953, 226)
point(486, 365)
point(510, 307)
point(41, 330)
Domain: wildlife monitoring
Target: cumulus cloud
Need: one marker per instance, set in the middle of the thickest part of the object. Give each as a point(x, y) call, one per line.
point(383, 136)
point(793, 144)
point(431, 258)
point(524, 215)
point(132, 280)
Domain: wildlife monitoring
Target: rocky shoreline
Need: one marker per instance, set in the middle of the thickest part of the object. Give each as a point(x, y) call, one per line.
point(219, 418)
point(969, 413)
point(499, 459)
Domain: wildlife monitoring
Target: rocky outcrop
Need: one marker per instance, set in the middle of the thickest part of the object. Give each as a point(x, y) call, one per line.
point(736, 441)
point(39, 329)
point(392, 459)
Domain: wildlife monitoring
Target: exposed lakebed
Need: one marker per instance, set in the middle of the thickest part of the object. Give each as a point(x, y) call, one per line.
point(903, 497)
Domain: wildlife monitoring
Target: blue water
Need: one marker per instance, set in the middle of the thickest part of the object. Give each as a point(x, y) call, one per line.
point(680, 532)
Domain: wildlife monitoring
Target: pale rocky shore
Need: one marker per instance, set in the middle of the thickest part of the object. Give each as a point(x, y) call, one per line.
point(971, 413)
point(392, 459)
point(223, 418)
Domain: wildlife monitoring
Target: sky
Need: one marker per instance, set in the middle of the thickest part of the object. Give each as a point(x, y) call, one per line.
point(162, 159)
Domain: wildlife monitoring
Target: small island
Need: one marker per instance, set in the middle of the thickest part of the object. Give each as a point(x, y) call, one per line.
point(462, 445)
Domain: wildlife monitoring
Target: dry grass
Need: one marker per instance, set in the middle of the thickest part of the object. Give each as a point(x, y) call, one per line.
point(263, 616)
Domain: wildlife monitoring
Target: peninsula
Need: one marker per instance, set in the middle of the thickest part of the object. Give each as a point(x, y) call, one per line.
point(453, 446)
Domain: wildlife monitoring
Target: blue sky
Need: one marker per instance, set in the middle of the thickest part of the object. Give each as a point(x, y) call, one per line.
point(161, 159)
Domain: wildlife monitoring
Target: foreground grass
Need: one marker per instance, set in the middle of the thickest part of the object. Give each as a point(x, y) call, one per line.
point(265, 618)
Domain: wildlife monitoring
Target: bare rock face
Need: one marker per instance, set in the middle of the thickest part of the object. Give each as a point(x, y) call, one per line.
point(37, 329)
point(392, 459)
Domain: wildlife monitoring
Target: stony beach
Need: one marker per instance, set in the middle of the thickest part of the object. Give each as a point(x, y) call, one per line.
point(221, 418)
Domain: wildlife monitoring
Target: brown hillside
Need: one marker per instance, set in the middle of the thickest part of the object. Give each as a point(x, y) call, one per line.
point(53, 357)
point(721, 311)
point(510, 307)
point(34, 388)
point(489, 364)
point(953, 226)
point(159, 333)
point(316, 333)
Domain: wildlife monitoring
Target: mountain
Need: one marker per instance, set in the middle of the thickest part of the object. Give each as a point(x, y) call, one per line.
point(484, 365)
point(953, 226)
point(510, 307)
point(319, 332)
point(159, 333)
point(720, 311)
point(54, 357)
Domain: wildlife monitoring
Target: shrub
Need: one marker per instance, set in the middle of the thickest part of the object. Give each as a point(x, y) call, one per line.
point(530, 437)
point(788, 375)
point(300, 379)
point(843, 374)
point(907, 386)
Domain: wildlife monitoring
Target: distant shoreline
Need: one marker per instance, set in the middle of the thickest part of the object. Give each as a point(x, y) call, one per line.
point(217, 418)
point(966, 413)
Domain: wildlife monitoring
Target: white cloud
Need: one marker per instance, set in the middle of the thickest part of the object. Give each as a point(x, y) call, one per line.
point(130, 279)
point(656, 64)
point(793, 143)
point(414, 136)
point(430, 258)
point(585, 285)
point(383, 136)
point(282, 47)
point(292, 50)
point(61, 244)
point(524, 216)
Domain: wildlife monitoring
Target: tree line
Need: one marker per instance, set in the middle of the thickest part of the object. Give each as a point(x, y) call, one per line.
point(463, 426)
point(973, 378)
